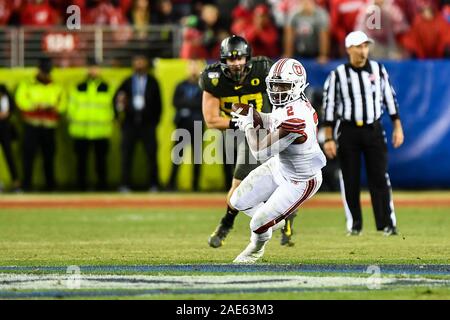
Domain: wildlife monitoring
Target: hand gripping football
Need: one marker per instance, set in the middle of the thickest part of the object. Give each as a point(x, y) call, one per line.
point(242, 108)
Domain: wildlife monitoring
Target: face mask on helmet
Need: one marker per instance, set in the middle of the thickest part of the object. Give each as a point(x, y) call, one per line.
point(235, 70)
point(286, 82)
point(279, 92)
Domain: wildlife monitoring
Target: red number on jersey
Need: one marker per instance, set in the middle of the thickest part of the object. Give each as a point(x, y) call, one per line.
point(290, 112)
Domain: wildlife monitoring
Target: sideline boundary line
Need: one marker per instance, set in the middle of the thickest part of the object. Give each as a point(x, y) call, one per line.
point(396, 269)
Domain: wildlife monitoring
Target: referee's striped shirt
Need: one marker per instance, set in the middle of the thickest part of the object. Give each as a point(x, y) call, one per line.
point(358, 95)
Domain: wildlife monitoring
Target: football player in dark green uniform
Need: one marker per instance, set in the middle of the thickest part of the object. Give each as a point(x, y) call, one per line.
point(237, 78)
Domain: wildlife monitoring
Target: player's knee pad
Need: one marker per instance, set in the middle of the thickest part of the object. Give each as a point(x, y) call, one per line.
point(235, 201)
point(261, 221)
point(260, 224)
point(265, 236)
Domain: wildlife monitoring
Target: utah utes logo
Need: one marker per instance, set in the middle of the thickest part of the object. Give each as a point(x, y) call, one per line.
point(298, 69)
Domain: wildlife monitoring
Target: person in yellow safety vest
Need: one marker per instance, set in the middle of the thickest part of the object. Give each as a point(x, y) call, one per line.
point(91, 115)
point(41, 102)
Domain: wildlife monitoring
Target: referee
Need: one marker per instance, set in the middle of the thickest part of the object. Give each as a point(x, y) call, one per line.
point(355, 94)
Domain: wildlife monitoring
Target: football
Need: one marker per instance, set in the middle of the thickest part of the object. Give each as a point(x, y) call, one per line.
point(242, 108)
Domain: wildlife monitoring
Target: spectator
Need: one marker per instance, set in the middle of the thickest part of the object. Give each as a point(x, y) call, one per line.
point(260, 32)
point(138, 97)
point(8, 134)
point(139, 16)
point(212, 33)
point(39, 13)
point(226, 12)
point(182, 7)
point(187, 100)
point(282, 10)
point(384, 22)
point(241, 19)
point(125, 5)
point(61, 5)
point(429, 34)
point(192, 43)
point(307, 33)
point(201, 36)
point(41, 102)
point(6, 12)
point(343, 15)
point(164, 13)
point(411, 7)
point(446, 11)
point(91, 116)
point(103, 12)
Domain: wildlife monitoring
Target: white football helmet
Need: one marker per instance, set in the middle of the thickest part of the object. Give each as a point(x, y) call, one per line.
point(286, 82)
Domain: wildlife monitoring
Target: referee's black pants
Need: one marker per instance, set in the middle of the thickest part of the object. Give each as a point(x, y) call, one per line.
point(369, 141)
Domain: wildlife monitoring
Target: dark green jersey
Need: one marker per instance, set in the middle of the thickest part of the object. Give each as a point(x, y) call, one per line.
point(252, 90)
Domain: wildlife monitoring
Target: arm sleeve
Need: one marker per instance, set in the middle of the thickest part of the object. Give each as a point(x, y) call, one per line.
point(273, 149)
point(157, 101)
point(389, 95)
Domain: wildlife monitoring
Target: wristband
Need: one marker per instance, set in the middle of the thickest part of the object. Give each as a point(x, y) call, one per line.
point(327, 140)
point(233, 125)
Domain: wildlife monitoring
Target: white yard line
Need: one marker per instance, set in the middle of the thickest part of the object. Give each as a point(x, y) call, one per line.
point(53, 282)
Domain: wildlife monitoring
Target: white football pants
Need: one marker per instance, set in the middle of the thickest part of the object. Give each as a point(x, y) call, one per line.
point(268, 197)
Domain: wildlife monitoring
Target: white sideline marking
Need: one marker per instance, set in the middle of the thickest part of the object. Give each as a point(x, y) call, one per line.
point(53, 281)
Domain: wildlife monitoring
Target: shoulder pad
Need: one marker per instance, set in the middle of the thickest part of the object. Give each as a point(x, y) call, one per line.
point(265, 62)
point(212, 67)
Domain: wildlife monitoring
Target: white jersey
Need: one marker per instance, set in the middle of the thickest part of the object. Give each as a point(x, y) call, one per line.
point(299, 161)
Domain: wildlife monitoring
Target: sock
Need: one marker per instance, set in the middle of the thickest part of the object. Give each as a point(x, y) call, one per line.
point(261, 237)
point(279, 225)
point(228, 219)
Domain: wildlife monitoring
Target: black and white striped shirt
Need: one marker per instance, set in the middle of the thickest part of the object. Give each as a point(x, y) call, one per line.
point(358, 95)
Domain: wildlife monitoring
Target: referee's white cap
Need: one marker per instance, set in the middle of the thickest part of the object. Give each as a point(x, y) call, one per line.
point(356, 38)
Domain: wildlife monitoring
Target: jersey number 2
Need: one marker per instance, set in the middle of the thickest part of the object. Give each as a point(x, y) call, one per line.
point(289, 110)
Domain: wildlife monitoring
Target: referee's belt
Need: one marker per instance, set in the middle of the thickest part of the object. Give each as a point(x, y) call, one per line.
point(360, 124)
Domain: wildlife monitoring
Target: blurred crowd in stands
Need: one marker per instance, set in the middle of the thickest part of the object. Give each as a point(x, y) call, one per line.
point(312, 29)
point(302, 28)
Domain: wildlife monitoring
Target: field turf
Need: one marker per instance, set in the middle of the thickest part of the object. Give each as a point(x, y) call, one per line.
point(139, 237)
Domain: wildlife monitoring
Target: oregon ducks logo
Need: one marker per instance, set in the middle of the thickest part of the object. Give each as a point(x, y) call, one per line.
point(255, 82)
point(215, 82)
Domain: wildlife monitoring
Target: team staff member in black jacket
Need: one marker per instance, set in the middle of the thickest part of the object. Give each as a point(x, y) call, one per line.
point(139, 99)
point(354, 96)
point(187, 101)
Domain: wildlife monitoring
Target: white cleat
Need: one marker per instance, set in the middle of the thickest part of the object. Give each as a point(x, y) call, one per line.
point(251, 254)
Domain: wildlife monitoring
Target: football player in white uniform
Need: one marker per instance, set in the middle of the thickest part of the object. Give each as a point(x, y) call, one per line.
point(292, 173)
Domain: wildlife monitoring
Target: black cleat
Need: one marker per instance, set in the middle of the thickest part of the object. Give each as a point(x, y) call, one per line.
point(390, 231)
point(217, 238)
point(354, 232)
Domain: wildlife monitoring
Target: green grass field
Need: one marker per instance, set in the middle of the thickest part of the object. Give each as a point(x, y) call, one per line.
point(34, 237)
